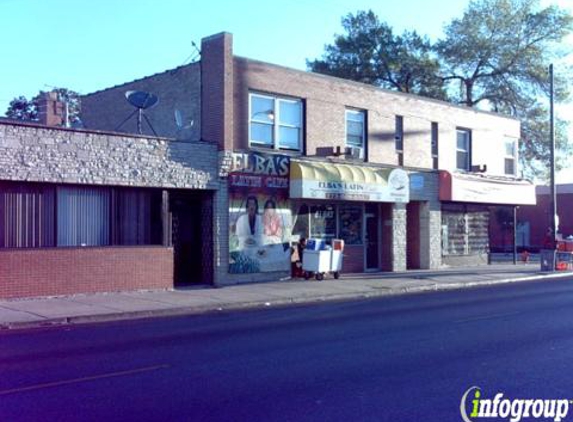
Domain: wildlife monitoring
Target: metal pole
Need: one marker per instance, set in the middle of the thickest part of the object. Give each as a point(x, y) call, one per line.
point(514, 235)
point(553, 201)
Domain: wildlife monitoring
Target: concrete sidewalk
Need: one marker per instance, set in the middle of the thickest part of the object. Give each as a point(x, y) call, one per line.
point(24, 313)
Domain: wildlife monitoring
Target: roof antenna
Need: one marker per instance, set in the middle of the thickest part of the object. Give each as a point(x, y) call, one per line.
point(192, 58)
point(141, 101)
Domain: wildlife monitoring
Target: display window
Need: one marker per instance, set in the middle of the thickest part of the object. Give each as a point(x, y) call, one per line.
point(328, 221)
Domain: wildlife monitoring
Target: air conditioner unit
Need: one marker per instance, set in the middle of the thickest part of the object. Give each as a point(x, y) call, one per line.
point(355, 153)
point(479, 168)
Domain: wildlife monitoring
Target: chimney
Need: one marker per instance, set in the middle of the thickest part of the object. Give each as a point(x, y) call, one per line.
point(50, 109)
point(217, 89)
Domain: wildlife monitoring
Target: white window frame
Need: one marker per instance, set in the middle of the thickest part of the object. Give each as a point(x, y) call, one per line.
point(276, 121)
point(512, 157)
point(356, 116)
point(466, 150)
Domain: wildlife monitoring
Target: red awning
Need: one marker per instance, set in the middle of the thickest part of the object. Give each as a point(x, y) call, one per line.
point(483, 189)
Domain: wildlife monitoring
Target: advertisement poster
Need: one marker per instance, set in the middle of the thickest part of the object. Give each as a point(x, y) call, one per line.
point(260, 218)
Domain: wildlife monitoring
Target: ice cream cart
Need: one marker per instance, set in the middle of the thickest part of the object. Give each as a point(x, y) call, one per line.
point(319, 258)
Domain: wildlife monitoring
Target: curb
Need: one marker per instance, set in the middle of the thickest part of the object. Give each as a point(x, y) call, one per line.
point(201, 310)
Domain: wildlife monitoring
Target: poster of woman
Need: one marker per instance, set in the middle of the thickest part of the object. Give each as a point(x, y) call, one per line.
point(259, 241)
point(260, 218)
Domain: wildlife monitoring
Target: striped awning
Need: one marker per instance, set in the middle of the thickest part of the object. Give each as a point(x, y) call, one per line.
point(322, 180)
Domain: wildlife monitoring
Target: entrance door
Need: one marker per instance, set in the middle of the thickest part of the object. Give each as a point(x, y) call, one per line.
point(371, 241)
point(187, 242)
point(413, 236)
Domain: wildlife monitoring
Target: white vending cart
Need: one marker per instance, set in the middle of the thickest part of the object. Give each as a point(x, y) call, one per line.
point(319, 258)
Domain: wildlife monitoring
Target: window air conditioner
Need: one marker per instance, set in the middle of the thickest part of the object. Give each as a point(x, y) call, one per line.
point(355, 153)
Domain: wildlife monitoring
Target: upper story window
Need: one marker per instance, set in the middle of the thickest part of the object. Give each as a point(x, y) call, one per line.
point(463, 146)
point(510, 156)
point(434, 146)
point(399, 138)
point(275, 122)
point(356, 130)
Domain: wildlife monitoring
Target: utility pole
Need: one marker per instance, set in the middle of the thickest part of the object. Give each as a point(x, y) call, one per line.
point(553, 207)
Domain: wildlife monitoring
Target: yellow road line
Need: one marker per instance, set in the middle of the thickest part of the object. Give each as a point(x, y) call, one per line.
point(83, 379)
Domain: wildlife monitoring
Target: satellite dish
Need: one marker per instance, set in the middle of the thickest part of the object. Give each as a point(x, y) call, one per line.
point(140, 99)
point(179, 120)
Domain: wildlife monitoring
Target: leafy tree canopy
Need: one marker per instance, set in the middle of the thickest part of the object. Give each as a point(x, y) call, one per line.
point(21, 108)
point(369, 52)
point(494, 57)
point(499, 52)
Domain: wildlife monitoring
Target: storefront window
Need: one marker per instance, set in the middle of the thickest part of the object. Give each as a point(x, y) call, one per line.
point(343, 221)
point(323, 222)
point(465, 230)
point(351, 224)
point(301, 222)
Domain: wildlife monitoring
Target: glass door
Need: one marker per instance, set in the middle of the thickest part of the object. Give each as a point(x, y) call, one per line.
point(371, 241)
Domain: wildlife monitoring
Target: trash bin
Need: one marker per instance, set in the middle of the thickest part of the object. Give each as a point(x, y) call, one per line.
point(547, 259)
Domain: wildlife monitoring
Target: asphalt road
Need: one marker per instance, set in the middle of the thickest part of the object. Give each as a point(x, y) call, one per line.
point(407, 358)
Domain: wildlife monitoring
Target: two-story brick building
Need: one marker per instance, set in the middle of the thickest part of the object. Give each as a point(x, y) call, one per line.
point(406, 181)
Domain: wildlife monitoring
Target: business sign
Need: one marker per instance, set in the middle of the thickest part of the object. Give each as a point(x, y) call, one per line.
point(396, 189)
point(260, 218)
point(485, 190)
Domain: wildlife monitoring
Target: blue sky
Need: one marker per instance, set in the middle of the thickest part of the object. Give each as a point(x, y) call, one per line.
point(87, 45)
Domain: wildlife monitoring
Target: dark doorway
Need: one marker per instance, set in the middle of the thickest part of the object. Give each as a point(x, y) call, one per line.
point(413, 236)
point(188, 221)
point(371, 237)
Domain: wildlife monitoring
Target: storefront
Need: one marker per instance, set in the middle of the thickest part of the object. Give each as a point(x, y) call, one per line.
point(275, 201)
point(467, 201)
point(350, 202)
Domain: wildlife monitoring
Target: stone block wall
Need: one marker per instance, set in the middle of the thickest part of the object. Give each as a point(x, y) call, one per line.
point(54, 155)
point(399, 237)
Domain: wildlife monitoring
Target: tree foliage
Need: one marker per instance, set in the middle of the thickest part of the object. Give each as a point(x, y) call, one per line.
point(21, 108)
point(494, 57)
point(369, 52)
point(499, 52)
point(498, 55)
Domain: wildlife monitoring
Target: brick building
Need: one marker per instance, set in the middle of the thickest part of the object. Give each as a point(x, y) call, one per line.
point(252, 156)
point(387, 172)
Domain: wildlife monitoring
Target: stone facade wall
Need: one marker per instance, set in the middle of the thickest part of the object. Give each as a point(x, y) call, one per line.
point(41, 154)
point(399, 237)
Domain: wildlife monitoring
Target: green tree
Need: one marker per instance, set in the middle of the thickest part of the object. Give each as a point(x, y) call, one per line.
point(496, 57)
point(499, 51)
point(369, 52)
point(22, 109)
